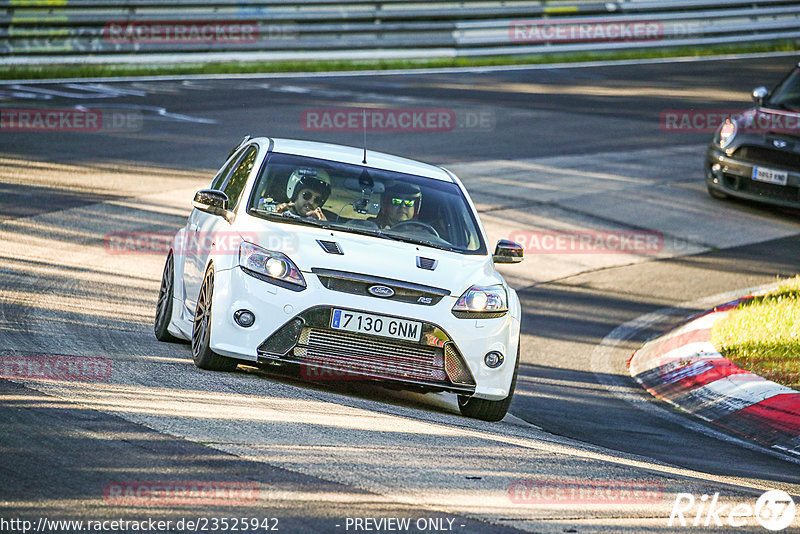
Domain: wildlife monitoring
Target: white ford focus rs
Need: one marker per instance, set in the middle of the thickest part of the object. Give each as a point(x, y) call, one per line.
point(350, 264)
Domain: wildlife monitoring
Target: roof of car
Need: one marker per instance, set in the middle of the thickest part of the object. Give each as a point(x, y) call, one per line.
point(353, 155)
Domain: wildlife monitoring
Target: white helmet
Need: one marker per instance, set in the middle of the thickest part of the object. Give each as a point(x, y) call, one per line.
point(316, 180)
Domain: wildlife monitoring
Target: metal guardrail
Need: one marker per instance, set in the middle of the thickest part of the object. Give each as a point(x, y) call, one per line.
point(120, 31)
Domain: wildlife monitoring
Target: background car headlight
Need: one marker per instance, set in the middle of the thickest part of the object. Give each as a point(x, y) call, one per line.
point(727, 132)
point(274, 266)
point(478, 301)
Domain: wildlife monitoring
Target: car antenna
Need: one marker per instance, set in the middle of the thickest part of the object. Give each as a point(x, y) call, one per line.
point(364, 123)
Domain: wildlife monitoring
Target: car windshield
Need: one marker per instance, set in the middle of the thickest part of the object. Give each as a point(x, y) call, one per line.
point(391, 205)
point(787, 94)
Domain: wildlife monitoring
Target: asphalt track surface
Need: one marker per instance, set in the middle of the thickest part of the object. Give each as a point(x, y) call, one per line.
point(564, 148)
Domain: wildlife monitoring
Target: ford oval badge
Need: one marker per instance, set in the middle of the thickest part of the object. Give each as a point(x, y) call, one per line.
point(381, 291)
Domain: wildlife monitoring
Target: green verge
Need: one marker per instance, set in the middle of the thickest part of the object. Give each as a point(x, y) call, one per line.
point(28, 72)
point(763, 334)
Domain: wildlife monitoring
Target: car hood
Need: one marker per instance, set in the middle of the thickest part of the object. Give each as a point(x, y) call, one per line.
point(766, 121)
point(373, 256)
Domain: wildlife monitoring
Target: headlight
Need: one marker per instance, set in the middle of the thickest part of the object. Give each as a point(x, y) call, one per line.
point(482, 302)
point(727, 132)
point(270, 266)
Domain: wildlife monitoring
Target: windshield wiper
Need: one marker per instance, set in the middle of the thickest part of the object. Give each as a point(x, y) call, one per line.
point(425, 242)
point(363, 231)
point(390, 236)
point(293, 217)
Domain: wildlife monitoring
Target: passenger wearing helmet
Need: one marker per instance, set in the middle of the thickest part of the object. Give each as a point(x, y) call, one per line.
point(307, 190)
point(400, 202)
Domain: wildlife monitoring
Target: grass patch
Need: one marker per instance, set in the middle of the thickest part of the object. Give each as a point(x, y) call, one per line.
point(85, 70)
point(763, 334)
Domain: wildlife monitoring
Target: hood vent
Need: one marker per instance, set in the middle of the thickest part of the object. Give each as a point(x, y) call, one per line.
point(331, 247)
point(426, 263)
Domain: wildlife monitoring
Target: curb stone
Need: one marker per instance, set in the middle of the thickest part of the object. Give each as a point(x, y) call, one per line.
point(684, 369)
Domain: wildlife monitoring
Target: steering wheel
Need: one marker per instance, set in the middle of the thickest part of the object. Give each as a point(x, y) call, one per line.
point(416, 224)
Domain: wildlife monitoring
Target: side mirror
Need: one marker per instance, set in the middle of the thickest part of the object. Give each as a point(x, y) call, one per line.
point(759, 94)
point(211, 201)
point(507, 252)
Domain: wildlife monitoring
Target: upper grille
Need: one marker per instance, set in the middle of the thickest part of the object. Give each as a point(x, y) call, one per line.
point(768, 156)
point(359, 284)
point(371, 357)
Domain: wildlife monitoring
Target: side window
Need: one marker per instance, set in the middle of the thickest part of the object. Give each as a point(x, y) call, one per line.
point(219, 179)
point(238, 178)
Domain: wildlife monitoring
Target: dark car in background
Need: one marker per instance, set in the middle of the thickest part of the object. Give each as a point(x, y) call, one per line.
point(756, 155)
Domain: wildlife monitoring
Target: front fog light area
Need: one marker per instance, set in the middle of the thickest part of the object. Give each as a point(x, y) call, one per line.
point(244, 318)
point(493, 359)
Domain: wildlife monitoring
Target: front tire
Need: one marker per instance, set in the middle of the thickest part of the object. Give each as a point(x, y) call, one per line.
point(488, 410)
point(204, 357)
point(164, 305)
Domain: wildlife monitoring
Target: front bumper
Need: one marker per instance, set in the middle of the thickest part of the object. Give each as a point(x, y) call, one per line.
point(294, 327)
point(734, 176)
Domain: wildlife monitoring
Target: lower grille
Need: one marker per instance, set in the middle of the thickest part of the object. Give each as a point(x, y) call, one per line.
point(434, 363)
point(781, 192)
point(371, 357)
point(455, 367)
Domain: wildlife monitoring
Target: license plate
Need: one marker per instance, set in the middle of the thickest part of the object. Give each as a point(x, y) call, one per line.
point(376, 325)
point(770, 176)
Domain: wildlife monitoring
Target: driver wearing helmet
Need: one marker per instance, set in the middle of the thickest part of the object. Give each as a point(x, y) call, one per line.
point(400, 202)
point(307, 190)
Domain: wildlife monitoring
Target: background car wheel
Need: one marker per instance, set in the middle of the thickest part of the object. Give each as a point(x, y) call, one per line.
point(164, 304)
point(204, 357)
point(487, 410)
point(719, 195)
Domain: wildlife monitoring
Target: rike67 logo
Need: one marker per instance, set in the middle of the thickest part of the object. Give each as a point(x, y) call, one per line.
point(774, 510)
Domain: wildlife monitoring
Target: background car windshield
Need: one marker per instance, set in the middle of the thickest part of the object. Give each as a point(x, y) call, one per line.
point(787, 94)
point(363, 199)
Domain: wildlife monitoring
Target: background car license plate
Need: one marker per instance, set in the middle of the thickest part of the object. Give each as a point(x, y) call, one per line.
point(760, 174)
point(377, 325)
